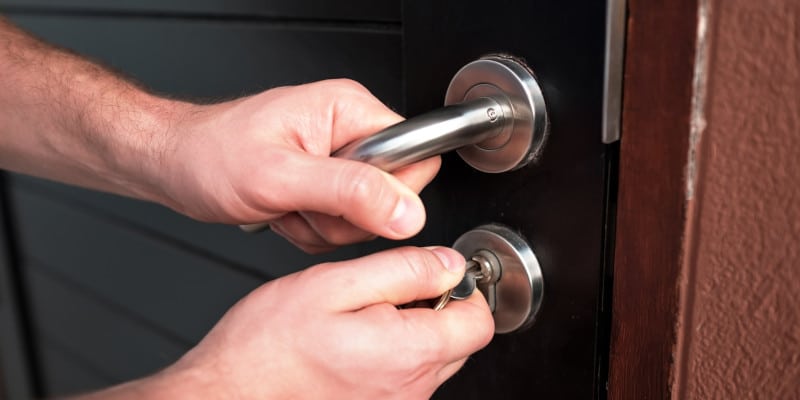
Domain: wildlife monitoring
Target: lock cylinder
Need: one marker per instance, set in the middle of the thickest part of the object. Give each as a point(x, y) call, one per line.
point(508, 274)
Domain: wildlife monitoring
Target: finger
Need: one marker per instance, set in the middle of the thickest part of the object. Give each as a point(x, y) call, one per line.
point(396, 276)
point(296, 227)
point(296, 230)
point(307, 248)
point(418, 175)
point(356, 112)
point(363, 195)
point(255, 227)
point(458, 330)
point(335, 230)
point(339, 232)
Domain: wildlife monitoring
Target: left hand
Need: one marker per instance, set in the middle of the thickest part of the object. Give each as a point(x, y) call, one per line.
point(333, 331)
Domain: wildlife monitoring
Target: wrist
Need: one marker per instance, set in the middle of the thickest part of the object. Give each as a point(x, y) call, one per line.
point(171, 383)
point(145, 137)
point(179, 382)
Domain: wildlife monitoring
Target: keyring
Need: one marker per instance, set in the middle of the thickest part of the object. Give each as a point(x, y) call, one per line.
point(443, 300)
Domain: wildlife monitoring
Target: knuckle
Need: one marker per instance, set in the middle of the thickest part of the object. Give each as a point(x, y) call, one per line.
point(267, 197)
point(345, 84)
point(428, 344)
point(337, 232)
point(421, 265)
point(482, 326)
point(339, 238)
point(276, 91)
point(434, 347)
point(485, 331)
point(332, 235)
point(338, 86)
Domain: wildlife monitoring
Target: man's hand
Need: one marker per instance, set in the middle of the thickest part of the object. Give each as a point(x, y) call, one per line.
point(263, 158)
point(266, 158)
point(333, 331)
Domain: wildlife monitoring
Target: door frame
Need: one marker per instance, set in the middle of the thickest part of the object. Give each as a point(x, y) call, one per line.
point(653, 199)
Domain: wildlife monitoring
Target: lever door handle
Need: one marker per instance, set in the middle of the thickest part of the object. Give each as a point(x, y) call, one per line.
point(494, 116)
point(431, 134)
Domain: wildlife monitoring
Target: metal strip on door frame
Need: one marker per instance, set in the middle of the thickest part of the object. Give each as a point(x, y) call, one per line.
point(614, 64)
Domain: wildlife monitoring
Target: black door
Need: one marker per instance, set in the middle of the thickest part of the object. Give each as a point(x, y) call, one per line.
point(559, 203)
point(174, 277)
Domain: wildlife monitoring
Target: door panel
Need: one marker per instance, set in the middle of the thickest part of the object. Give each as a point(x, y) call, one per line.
point(349, 10)
point(264, 256)
point(118, 265)
point(65, 375)
point(212, 60)
point(558, 203)
point(94, 333)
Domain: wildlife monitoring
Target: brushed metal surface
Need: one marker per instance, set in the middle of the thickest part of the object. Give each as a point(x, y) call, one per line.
point(519, 289)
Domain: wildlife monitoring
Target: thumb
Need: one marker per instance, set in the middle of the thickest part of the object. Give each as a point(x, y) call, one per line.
point(396, 276)
point(363, 195)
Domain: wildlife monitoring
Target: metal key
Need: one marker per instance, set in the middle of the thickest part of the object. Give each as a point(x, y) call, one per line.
point(469, 282)
point(476, 271)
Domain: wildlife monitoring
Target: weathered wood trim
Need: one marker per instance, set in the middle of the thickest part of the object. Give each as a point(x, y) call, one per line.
point(652, 202)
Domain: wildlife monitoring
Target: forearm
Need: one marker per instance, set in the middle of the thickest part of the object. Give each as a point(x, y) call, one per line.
point(168, 384)
point(64, 118)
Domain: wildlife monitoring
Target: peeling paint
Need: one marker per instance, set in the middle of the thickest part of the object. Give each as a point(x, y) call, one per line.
point(698, 117)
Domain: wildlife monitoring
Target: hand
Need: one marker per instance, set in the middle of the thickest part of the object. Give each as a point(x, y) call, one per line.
point(333, 331)
point(263, 158)
point(266, 158)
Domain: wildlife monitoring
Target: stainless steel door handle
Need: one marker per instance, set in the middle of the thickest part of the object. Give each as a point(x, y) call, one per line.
point(494, 116)
point(430, 134)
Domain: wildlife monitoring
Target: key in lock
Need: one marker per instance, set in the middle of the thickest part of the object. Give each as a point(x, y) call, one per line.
point(502, 265)
point(482, 269)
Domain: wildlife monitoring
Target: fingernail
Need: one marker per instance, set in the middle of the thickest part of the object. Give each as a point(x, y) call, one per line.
point(449, 257)
point(408, 217)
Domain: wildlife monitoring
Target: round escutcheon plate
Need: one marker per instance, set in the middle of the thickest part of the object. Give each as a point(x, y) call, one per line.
point(509, 78)
point(520, 288)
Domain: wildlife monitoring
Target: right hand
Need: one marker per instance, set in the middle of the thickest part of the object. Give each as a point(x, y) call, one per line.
point(266, 158)
point(334, 331)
